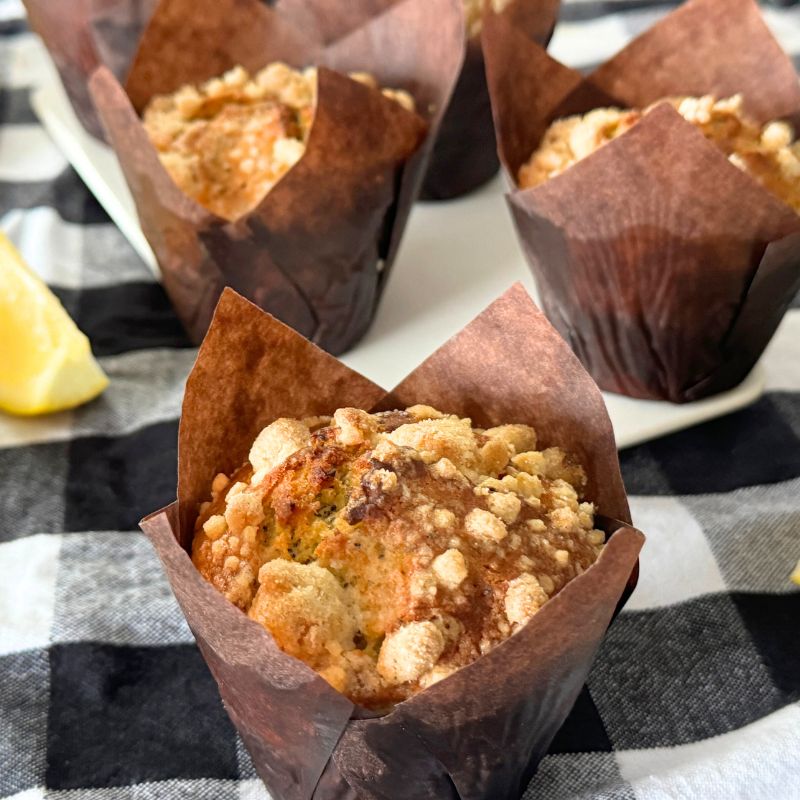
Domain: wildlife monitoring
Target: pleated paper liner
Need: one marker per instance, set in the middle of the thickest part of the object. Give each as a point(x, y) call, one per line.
point(81, 35)
point(317, 250)
point(665, 267)
point(117, 26)
point(481, 732)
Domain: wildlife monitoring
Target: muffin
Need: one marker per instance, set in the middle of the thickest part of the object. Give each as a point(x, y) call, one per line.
point(233, 184)
point(388, 550)
point(228, 141)
point(768, 153)
point(656, 199)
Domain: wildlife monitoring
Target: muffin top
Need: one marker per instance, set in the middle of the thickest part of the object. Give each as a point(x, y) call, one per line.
point(768, 153)
point(387, 550)
point(227, 142)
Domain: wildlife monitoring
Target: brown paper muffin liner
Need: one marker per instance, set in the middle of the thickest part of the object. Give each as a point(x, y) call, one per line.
point(665, 267)
point(325, 21)
point(318, 250)
point(481, 732)
point(83, 34)
point(465, 154)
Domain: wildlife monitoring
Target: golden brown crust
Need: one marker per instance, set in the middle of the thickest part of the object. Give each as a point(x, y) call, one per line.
point(767, 153)
point(391, 549)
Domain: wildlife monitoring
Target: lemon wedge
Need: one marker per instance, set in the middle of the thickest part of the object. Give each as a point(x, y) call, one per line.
point(796, 574)
point(46, 363)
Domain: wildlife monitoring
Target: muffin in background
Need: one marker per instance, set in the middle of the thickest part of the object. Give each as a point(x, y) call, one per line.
point(665, 245)
point(293, 187)
point(465, 155)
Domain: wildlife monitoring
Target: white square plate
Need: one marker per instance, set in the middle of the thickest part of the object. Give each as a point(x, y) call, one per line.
point(456, 258)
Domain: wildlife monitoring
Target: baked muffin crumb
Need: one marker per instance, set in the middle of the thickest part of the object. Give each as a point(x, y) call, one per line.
point(228, 141)
point(388, 550)
point(768, 153)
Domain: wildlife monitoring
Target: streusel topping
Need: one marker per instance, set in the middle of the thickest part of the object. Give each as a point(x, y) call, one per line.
point(473, 13)
point(227, 142)
point(387, 550)
point(768, 153)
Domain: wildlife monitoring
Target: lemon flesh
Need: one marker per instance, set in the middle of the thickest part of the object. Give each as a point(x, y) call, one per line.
point(46, 363)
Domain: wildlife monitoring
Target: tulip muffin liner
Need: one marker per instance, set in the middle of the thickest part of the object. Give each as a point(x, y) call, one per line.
point(480, 732)
point(665, 267)
point(318, 249)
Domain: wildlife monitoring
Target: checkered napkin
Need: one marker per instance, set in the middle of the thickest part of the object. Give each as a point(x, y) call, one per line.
point(103, 694)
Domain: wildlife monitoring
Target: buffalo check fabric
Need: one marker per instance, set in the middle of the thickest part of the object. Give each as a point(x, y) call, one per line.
point(103, 695)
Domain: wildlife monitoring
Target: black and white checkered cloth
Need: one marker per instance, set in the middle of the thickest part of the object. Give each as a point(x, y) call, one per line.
point(103, 694)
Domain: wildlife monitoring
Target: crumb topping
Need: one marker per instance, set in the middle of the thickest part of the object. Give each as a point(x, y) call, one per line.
point(228, 141)
point(473, 13)
point(768, 153)
point(388, 550)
